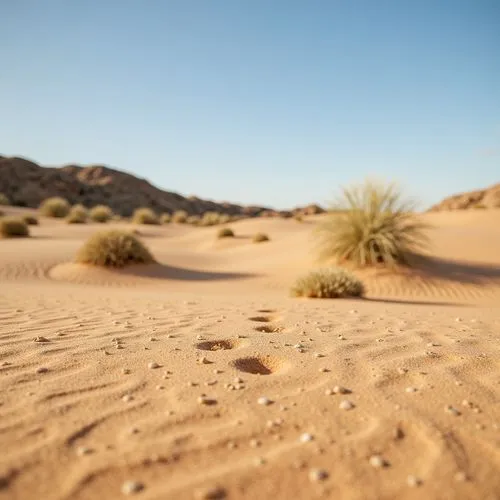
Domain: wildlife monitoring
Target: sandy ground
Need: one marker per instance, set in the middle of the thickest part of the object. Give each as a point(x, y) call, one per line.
point(157, 375)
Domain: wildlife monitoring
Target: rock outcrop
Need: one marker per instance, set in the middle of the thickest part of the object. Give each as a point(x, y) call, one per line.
point(481, 198)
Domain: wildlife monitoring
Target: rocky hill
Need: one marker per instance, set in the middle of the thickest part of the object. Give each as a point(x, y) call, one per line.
point(26, 183)
point(481, 198)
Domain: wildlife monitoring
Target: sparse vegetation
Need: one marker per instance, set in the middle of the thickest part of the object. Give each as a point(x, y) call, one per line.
point(194, 220)
point(210, 219)
point(100, 213)
point(180, 217)
point(31, 220)
point(260, 237)
point(13, 227)
point(145, 216)
point(4, 200)
point(165, 218)
point(299, 217)
point(77, 215)
point(328, 283)
point(114, 248)
point(224, 218)
point(55, 207)
point(372, 223)
point(225, 232)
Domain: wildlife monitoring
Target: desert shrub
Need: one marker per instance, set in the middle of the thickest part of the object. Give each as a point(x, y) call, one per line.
point(13, 227)
point(329, 283)
point(224, 218)
point(260, 237)
point(225, 232)
point(55, 207)
point(194, 220)
point(165, 218)
point(210, 219)
point(100, 213)
point(31, 220)
point(114, 248)
point(4, 200)
point(372, 223)
point(77, 215)
point(299, 217)
point(144, 216)
point(180, 216)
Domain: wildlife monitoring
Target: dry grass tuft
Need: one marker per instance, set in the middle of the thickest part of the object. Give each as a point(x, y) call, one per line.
point(372, 223)
point(145, 216)
point(180, 216)
point(55, 207)
point(100, 213)
point(13, 227)
point(260, 237)
point(225, 232)
point(77, 215)
point(4, 200)
point(328, 283)
point(114, 248)
point(165, 218)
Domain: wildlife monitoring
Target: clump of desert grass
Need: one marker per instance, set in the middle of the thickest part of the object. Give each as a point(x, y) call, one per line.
point(77, 215)
point(210, 218)
point(100, 214)
point(180, 216)
point(114, 249)
point(225, 232)
point(145, 216)
point(13, 227)
point(194, 220)
point(4, 200)
point(165, 218)
point(260, 238)
point(299, 217)
point(55, 207)
point(372, 223)
point(328, 283)
point(31, 220)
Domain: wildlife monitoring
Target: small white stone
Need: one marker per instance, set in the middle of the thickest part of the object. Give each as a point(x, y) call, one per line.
point(377, 461)
point(453, 411)
point(317, 475)
point(306, 437)
point(264, 401)
point(132, 487)
point(411, 389)
point(152, 365)
point(346, 405)
point(460, 476)
point(127, 398)
point(329, 392)
point(254, 443)
point(413, 481)
point(338, 389)
point(83, 450)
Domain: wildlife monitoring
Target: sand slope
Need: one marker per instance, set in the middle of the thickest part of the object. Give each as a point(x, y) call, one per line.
point(83, 411)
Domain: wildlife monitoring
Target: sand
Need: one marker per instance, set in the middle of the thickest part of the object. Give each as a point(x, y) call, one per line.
point(199, 377)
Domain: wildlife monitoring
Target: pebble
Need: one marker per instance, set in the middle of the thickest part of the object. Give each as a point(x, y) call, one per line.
point(255, 443)
point(152, 365)
point(42, 369)
point(377, 461)
point(329, 392)
point(204, 361)
point(41, 339)
point(411, 389)
point(132, 487)
point(127, 398)
point(316, 475)
point(83, 450)
point(126, 371)
point(264, 401)
point(402, 371)
point(453, 411)
point(306, 437)
point(460, 476)
point(338, 389)
point(324, 370)
point(413, 481)
point(204, 400)
point(211, 493)
point(346, 405)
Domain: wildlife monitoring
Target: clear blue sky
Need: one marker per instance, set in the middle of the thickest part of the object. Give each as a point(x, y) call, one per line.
point(274, 102)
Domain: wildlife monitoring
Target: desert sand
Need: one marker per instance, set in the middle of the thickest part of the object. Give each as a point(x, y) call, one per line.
point(199, 377)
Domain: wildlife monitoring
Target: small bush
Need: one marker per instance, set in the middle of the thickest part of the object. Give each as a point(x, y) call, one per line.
point(144, 216)
point(180, 216)
point(260, 237)
point(194, 220)
point(4, 200)
point(210, 219)
point(165, 218)
point(328, 283)
point(115, 249)
point(225, 232)
point(100, 213)
point(224, 218)
point(30, 220)
point(55, 207)
point(372, 224)
point(13, 227)
point(77, 215)
point(299, 217)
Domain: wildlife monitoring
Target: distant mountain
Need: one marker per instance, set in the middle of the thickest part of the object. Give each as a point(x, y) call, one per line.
point(481, 198)
point(26, 184)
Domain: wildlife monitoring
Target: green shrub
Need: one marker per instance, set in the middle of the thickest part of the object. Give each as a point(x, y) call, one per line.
point(114, 248)
point(31, 220)
point(372, 224)
point(260, 237)
point(225, 232)
point(180, 216)
point(55, 207)
point(4, 200)
point(77, 215)
point(100, 213)
point(165, 218)
point(13, 227)
point(328, 283)
point(144, 216)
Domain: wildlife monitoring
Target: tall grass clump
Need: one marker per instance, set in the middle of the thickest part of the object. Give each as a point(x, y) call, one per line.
point(194, 220)
point(260, 238)
point(115, 249)
point(77, 215)
point(372, 223)
point(4, 200)
point(55, 207)
point(225, 232)
point(100, 213)
point(165, 218)
point(13, 227)
point(145, 216)
point(328, 283)
point(180, 216)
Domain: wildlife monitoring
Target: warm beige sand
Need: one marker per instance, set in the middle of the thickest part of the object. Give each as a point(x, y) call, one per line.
point(83, 413)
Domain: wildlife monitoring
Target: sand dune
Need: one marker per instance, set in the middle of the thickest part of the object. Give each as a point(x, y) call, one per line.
point(198, 377)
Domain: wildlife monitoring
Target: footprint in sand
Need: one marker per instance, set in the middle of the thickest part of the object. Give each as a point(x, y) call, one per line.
point(259, 365)
point(218, 345)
